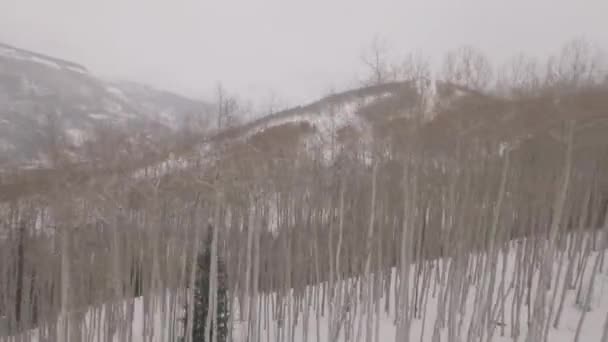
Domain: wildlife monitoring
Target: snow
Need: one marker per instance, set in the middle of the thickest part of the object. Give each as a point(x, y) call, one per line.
point(75, 69)
point(76, 136)
point(99, 116)
point(154, 328)
point(15, 54)
point(385, 321)
point(43, 61)
point(5, 145)
point(168, 117)
point(116, 92)
point(18, 54)
point(170, 164)
point(591, 331)
point(326, 122)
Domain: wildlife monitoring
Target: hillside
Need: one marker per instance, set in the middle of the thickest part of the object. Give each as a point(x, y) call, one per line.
point(335, 122)
point(47, 103)
point(354, 120)
point(386, 210)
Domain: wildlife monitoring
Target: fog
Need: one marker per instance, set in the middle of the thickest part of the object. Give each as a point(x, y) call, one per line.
point(469, 207)
point(294, 51)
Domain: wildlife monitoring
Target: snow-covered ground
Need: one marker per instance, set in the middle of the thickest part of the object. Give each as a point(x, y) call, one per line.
point(383, 326)
point(327, 121)
point(18, 54)
point(138, 320)
point(152, 321)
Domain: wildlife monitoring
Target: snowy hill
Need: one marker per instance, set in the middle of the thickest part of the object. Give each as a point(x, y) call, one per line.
point(369, 215)
point(47, 101)
point(353, 118)
point(448, 307)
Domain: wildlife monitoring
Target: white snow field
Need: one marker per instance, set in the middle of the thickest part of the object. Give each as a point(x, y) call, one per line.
point(352, 327)
point(455, 319)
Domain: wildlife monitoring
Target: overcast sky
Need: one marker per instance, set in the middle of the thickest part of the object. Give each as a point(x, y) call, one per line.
point(296, 49)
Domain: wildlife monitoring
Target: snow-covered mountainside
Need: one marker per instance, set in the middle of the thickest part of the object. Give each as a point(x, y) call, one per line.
point(349, 120)
point(353, 118)
point(170, 109)
point(45, 101)
point(352, 316)
point(320, 129)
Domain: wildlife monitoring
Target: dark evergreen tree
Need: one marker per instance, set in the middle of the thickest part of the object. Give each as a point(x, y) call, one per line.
point(201, 299)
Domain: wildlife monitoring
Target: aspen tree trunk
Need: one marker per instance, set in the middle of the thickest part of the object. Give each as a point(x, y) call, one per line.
point(378, 291)
point(556, 221)
point(581, 223)
point(249, 256)
point(587, 305)
point(335, 326)
point(491, 261)
point(195, 221)
point(605, 330)
point(403, 310)
point(213, 278)
point(256, 275)
point(369, 245)
point(63, 320)
point(332, 271)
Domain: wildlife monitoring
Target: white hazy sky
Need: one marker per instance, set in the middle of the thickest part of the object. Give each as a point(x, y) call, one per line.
point(296, 49)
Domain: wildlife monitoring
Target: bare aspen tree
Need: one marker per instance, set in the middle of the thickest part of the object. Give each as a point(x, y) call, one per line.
point(375, 58)
point(520, 77)
point(468, 67)
point(570, 265)
point(585, 308)
point(403, 310)
point(480, 219)
point(195, 221)
point(579, 63)
point(227, 108)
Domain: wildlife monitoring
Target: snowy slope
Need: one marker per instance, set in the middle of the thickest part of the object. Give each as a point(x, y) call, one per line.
point(424, 326)
point(44, 98)
point(152, 321)
point(321, 128)
point(11, 52)
point(313, 127)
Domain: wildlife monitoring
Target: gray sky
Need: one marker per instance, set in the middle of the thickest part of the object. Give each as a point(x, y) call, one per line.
point(296, 49)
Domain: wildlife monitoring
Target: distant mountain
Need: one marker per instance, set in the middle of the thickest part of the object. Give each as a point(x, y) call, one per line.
point(170, 109)
point(46, 102)
point(440, 115)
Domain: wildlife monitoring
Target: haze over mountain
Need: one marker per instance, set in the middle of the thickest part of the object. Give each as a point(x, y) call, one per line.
point(296, 50)
point(46, 101)
point(468, 204)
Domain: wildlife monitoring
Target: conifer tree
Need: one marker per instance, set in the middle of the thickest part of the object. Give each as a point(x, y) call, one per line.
point(201, 299)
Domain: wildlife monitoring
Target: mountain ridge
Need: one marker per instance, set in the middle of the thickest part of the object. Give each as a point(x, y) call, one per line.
point(39, 93)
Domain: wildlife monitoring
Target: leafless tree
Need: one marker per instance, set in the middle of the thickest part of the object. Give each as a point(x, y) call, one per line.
point(521, 76)
point(468, 67)
point(376, 60)
point(487, 217)
point(579, 63)
point(227, 108)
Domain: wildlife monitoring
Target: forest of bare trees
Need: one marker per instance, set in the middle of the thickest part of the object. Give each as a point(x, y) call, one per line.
point(489, 211)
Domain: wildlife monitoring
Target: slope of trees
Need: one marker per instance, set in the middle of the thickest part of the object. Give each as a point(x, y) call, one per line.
point(430, 209)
